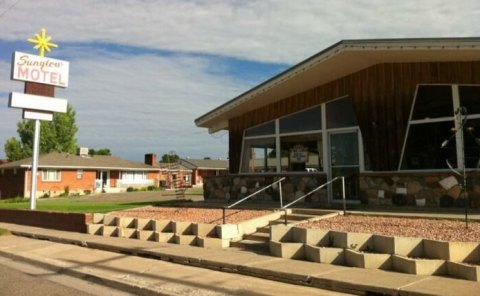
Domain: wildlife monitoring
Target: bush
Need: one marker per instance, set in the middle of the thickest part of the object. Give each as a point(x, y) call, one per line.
point(152, 188)
point(130, 189)
point(87, 192)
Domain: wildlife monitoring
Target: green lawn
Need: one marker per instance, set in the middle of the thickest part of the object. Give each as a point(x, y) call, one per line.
point(77, 205)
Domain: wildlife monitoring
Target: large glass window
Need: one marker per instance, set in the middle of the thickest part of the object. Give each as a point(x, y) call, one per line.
point(424, 150)
point(307, 120)
point(340, 113)
point(433, 133)
point(433, 101)
point(302, 153)
point(259, 155)
point(261, 130)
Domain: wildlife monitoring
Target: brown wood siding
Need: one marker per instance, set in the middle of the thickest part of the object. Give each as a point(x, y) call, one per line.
point(382, 96)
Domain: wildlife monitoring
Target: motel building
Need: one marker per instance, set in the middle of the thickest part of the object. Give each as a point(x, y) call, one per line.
point(385, 114)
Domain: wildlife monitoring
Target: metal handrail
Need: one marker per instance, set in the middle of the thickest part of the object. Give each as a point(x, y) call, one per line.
point(253, 194)
point(316, 189)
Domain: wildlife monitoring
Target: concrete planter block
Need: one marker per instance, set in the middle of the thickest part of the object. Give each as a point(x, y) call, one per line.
point(95, 229)
point(368, 260)
point(97, 218)
point(110, 231)
point(163, 226)
point(404, 246)
point(325, 254)
point(312, 236)
point(451, 251)
point(127, 232)
point(228, 231)
point(419, 266)
point(351, 240)
point(146, 235)
point(287, 250)
point(216, 243)
point(281, 233)
point(205, 230)
point(182, 239)
point(109, 220)
point(182, 228)
point(144, 224)
point(126, 222)
point(464, 271)
point(165, 237)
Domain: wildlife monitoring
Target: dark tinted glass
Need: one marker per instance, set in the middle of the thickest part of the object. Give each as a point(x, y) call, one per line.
point(470, 98)
point(307, 120)
point(433, 101)
point(340, 113)
point(261, 130)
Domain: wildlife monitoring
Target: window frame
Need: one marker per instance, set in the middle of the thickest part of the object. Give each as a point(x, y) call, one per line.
point(47, 173)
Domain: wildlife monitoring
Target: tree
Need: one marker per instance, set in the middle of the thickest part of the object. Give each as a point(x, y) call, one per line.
point(56, 135)
point(170, 157)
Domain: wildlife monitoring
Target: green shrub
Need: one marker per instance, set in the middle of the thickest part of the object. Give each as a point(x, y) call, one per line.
point(87, 192)
point(130, 189)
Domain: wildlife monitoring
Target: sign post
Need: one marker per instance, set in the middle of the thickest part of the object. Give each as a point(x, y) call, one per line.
point(41, 75)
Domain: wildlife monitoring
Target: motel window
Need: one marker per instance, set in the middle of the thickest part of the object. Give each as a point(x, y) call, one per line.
point(51, 175)
point(431, 139)
point(134, 176)
point(79, 174)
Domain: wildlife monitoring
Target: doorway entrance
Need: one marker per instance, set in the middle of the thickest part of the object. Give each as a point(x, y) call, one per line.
point(344, 161)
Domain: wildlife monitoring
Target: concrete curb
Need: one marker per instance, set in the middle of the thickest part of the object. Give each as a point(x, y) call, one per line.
point(311, 274)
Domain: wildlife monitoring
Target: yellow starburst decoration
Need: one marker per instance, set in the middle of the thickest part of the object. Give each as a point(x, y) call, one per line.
point(42, 42)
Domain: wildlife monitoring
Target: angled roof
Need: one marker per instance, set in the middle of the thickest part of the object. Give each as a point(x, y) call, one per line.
point(341, 59)
point(205, 164)
point(56, 160)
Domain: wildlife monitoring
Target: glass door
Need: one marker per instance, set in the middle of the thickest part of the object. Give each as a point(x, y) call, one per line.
point(344, 161)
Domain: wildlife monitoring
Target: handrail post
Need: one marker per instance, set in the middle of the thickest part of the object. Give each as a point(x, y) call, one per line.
point(223, 210)
point(343, 196)
point(281, 195)
point(285, 215)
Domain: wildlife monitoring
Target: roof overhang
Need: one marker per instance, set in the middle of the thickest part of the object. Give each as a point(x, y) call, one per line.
point(341, 59)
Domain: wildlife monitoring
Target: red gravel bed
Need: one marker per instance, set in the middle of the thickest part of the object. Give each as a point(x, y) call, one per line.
point(445, 230)
point(196, 215)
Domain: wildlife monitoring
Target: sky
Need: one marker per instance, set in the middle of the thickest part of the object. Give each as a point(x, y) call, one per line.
point(141, 71)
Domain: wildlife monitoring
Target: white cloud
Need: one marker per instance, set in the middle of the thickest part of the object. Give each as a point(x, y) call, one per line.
point(269, 30)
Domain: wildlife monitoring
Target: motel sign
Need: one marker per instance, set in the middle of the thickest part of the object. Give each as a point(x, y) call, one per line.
point(34, 68)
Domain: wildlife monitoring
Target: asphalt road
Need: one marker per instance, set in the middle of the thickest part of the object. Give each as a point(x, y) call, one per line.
point(22, 279)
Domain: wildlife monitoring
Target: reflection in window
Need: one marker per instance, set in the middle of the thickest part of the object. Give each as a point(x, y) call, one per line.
point(433, 101)
point(261, 130)
point(340, 113)
point(310, 119)
point(259, 155)
point(423, 148)
point(472, 149)
point(302, 153)
point(470, 98)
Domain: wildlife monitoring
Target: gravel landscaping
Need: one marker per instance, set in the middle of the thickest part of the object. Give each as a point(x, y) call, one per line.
point(445, 230)
point(196, 215)
point(436, 229)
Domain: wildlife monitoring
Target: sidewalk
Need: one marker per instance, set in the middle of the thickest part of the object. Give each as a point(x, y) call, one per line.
point(70, 257)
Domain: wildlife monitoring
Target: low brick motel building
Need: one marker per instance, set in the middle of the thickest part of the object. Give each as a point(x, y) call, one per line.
point(61, 172)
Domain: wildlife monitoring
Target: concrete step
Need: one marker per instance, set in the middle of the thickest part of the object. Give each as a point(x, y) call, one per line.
point(313, 212)
point(298, 217)
point(264, 229)
point(258, 236)
point(252, 245)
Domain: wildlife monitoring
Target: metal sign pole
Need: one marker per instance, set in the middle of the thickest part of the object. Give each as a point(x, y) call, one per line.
point(33, 190)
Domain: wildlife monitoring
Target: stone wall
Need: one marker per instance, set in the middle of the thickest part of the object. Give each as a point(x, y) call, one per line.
point(436, 189)
point(235, 187)
point(418, 189)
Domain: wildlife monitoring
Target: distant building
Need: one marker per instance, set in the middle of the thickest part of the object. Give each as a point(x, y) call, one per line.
point(202, 168)
point(61, 172)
